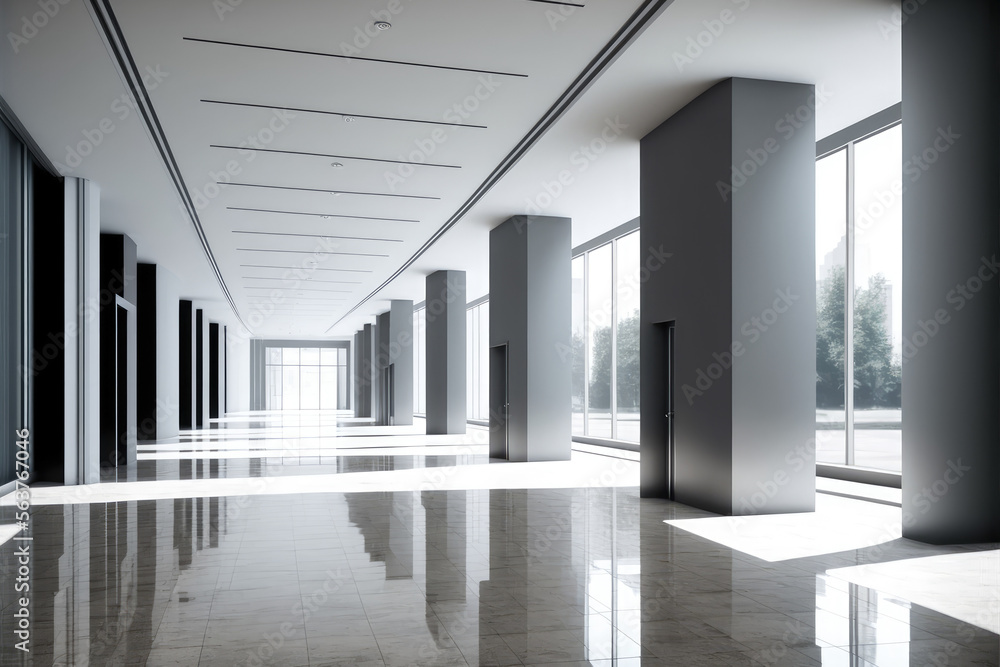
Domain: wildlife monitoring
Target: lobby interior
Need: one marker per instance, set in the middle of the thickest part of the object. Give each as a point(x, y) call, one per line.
point(637, 332)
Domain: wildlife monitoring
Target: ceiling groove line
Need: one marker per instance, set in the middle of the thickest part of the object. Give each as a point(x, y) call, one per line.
point(628, 33)
point(302, 268)
point(311, 280)
point(113, 36)
point(319, 215)
point(342, 114)
point(303, 52)
point(312, 252)
point(317, 236)
point(338, 157)
point(332, 192)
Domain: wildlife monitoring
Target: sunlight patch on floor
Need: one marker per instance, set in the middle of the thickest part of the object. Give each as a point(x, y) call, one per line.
point(838, 524)
point(965, 585)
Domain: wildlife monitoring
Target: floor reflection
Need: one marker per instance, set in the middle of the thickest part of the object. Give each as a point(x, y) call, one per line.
point(444, 576)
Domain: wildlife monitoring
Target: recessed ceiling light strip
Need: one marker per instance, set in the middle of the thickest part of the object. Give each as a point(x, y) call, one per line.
point(332, 192)
point(633, 27)
point(558, 2)
point(303, 269)
point(318, 236)
point(291, 300)
point(319, 215)
point(337, 157)
point(342, 114)
point(311, 280)
point(300, 289)
point(312, 252)
point(346, 57)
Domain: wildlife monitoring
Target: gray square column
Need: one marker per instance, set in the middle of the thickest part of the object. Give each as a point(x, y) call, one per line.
point(530, 325)
point(446, 360)
point(951, 274)
point(727, 198)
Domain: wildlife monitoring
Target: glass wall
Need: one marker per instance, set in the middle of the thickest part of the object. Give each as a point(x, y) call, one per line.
point(14, 377)
point(477, 351)
point(306, 378)
point(859, 232)
point(420, 361)
point(606, 340)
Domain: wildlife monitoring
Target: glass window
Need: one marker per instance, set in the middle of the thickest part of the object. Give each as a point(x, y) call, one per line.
point(483, 389)
point(627, 265)
point(878, 280)
point(605, 340)
point(599, 352)
point(477, 373)
point(859, 301)
point(309, 388)
point(470, 364)
point(290, 387)
point(578, 343)
point(420, 361)
point(307, 378)
point(831, 289)
point(328, 394)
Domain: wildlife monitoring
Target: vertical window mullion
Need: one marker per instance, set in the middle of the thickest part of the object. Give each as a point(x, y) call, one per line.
point(586, 343)
point(849, 313)
point(614, 339)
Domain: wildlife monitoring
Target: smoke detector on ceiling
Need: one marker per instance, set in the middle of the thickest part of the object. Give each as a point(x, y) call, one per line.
point(383, 25)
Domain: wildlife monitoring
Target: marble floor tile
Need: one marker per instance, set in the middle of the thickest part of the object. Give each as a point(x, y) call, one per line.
point(194, 561)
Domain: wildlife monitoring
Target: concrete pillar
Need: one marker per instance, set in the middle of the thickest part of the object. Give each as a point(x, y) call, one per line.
point(727, 197)
point(530, 323)
point(445, 352)
point(951, 287)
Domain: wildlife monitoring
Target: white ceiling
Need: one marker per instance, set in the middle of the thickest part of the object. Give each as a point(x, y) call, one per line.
point(62, 83)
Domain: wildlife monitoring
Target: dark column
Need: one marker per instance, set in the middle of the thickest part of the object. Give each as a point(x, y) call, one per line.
point(530, 301)
point(186, 365)
point(214, 366)
point(728, 202)
point(446, 373)
point(145, 399)
point(118, 347)
point(51, 338)
point(158, 397)
point(951, 290)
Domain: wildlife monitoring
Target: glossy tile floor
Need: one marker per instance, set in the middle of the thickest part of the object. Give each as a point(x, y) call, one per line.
point(428, 561)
